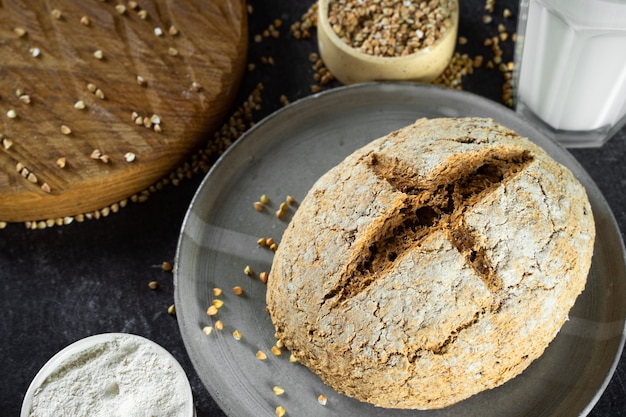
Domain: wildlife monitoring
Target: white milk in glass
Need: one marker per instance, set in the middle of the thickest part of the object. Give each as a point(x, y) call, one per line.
point(572, 68)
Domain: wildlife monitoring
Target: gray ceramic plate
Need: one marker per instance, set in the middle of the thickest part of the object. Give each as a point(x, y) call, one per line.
point(284, 155)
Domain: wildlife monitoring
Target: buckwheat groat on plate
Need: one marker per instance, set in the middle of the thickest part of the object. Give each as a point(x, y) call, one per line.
point(432, 264)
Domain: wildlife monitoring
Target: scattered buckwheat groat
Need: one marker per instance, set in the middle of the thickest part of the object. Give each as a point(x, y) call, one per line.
point(203, 87)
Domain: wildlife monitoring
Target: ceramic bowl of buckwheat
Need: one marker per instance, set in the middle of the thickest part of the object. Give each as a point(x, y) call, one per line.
point(387, 40)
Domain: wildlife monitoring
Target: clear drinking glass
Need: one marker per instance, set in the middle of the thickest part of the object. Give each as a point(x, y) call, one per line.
point(570, 68)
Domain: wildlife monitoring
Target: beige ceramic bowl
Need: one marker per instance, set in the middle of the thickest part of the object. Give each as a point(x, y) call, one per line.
point(351, 66)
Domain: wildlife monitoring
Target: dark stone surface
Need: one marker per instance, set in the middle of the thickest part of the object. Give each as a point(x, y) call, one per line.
point(64, 283)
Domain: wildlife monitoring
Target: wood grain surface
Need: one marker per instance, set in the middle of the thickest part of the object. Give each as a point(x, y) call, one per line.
point(85, 85)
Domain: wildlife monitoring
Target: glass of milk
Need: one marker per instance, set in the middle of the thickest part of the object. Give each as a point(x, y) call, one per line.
point(570, 68)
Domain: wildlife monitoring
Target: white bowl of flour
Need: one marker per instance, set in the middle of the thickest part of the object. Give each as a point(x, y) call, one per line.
point(112, 375)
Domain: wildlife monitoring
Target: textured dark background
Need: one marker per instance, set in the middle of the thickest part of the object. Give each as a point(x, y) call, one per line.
point(65, 283)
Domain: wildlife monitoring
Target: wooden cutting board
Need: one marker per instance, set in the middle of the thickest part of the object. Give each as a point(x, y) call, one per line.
point(101, 99)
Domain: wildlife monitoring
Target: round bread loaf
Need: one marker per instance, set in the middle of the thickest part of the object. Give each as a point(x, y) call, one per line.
point(434, 263)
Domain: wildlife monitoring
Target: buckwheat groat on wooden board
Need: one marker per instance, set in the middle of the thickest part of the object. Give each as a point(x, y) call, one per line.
point(432, 264)
point(100, 100)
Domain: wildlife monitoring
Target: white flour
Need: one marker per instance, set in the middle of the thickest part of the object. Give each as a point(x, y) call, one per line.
point(118, 378)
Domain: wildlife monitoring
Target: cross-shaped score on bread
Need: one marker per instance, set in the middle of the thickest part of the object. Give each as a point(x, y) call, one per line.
point(432, 264)
point(426, 206)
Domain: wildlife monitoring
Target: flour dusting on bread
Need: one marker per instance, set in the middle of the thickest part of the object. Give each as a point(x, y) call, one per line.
point(432, 264)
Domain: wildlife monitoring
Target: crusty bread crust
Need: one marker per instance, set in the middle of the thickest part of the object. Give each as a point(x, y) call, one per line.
point(434, 263)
